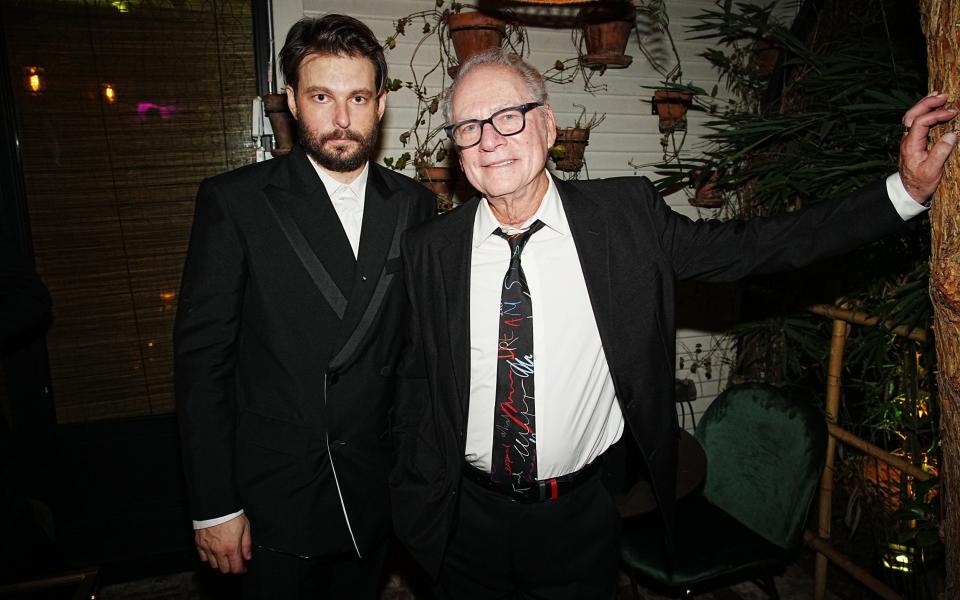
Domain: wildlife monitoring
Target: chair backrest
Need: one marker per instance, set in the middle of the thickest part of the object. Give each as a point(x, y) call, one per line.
point(765, 451)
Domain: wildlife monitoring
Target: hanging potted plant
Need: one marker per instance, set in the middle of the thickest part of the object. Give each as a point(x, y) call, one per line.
point(282, 123)
point(473, 32)
point(764, 56)
point(671, 105)
point(567, 152)
point(435, 176)
point(606, 29)
point(706, 194)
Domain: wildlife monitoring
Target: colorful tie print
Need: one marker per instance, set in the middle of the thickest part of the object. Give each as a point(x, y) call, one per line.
point(514, 425)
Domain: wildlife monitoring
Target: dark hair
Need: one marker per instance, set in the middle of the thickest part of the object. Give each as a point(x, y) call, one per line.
point(338, 35)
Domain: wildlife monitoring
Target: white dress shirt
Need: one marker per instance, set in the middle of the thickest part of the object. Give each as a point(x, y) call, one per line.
point(577, 413)
point(348, 200)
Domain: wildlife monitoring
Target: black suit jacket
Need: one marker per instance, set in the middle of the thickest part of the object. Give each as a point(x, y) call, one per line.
point(286, 350)
point(632, 248)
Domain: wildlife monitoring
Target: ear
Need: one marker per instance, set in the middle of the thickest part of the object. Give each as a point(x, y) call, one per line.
point(381, 104)
point(550, 124)
point(292, 101)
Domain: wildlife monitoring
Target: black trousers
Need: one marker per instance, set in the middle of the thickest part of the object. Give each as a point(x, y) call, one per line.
point(555, 550)
point(272, 575)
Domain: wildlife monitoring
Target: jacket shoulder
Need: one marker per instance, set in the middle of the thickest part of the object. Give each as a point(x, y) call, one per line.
point(411, 190)
point(458, 221)
point(247, 174)
point(615, 188)
point(248, 177)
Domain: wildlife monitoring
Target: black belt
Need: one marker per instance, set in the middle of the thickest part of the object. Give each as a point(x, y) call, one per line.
point(538, 491)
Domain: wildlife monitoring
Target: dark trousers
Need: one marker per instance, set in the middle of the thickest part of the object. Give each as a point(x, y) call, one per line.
point(271, 575)
point(556, 550)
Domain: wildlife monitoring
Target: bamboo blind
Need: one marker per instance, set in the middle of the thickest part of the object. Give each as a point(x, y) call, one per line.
point(110, 186)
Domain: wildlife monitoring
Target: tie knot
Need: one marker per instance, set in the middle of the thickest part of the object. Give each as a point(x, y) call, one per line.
point(519, 239)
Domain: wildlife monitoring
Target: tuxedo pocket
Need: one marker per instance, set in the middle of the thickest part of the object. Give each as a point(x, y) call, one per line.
point(274, 434)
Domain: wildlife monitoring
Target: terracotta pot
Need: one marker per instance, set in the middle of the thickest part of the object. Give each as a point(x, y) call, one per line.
point(671, 106)
point(474, 32)
point(282, 122)
point(440, 181)
point(574, 142)
point(707, 195)
point(764, 56)
point(606, 39)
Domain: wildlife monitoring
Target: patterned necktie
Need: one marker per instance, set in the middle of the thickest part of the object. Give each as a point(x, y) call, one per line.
point(514, 427)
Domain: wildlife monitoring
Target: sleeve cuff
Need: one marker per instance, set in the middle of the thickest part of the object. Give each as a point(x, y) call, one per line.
point(903, 202)
point(211, 522)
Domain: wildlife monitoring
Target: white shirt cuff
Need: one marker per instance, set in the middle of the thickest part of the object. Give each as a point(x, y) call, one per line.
point(903, 202)
point(211, 522)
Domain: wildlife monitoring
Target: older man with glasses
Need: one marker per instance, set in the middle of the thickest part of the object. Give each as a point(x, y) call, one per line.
point(497, 489)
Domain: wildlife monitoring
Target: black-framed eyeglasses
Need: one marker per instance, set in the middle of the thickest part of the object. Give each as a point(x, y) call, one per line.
point(506, 121)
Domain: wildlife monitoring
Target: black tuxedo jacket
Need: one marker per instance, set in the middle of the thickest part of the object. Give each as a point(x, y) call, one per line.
point(286, 351)
point(632, 248)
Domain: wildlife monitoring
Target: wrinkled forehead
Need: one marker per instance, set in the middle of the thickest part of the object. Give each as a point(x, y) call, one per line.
point(486, 89)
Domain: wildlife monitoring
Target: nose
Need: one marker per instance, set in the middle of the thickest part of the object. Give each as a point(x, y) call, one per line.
point(341, 117)
point(490, 138)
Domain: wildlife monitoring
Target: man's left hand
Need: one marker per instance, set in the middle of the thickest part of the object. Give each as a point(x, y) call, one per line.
point(922, 168)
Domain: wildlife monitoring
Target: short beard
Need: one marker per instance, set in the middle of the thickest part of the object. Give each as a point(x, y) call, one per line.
point(342, 160)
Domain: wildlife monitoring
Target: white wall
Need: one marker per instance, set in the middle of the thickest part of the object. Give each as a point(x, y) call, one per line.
point(629, 133)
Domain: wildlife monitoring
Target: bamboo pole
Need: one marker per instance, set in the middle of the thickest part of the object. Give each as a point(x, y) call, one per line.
point(940, 21)
point(837, 342)
point(861, 318)
point(845, 436)
point(861, 575)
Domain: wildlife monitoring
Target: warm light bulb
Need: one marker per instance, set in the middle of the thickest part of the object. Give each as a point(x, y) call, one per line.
point(109, 93)
point(34, 79)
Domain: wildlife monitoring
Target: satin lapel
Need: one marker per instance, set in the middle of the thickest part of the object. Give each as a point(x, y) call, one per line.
point(379, 243)
point(590, 235)
point(455, 254)
point(305, 214)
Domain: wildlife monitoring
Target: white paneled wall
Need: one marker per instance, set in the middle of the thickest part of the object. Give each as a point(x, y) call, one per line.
point(629, 133)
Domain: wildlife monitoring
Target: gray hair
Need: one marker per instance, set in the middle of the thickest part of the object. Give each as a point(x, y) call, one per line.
point(531, 77)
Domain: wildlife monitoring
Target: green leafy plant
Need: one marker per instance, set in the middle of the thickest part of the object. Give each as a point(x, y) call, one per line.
point(823, 123)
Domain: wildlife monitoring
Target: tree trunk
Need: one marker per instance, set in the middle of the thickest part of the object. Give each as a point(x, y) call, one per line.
point(941, 26)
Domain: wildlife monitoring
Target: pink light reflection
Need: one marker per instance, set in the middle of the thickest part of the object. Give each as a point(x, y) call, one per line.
point(147, 110)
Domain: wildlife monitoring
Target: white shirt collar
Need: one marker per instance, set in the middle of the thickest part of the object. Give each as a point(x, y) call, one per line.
point(358, 186)
point(550, 212)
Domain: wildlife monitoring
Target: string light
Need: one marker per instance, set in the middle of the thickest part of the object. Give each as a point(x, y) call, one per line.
point(109, 93)
point(35, 80)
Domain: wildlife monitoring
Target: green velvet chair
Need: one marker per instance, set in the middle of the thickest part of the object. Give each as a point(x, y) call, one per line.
point(765, 452)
